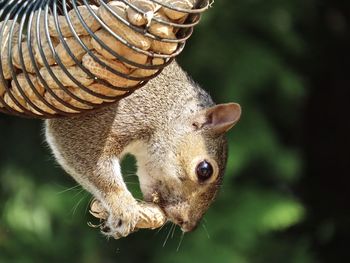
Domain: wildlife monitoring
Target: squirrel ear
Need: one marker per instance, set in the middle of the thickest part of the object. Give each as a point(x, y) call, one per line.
point(219, 118)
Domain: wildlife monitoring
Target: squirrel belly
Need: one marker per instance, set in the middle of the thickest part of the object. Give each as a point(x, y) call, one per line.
point(170, 124)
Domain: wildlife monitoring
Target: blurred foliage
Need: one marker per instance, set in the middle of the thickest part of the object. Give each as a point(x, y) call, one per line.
point(248, 51)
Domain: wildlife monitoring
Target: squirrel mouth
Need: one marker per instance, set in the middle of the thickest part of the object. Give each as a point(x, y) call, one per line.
point(172, 212)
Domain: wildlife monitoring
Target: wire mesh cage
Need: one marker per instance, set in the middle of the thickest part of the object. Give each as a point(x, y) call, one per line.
point(63, 58)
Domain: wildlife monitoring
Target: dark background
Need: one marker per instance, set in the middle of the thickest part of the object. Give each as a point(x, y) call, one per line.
point(285, 197)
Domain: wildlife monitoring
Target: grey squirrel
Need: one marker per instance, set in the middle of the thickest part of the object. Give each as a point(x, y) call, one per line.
point(177, 135)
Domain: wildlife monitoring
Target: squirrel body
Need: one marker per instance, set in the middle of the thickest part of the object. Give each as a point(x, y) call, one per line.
point(177, 135)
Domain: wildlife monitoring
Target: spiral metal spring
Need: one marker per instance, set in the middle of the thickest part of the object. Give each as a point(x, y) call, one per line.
point(27, 14)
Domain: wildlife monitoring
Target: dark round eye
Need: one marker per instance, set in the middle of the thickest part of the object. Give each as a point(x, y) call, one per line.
point(204, 171)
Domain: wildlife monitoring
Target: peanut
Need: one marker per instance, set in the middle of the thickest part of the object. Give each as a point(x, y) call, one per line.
point(4, 45)
point(151, 216)
point(75, 48)
point(62, 95)
point(16, 60)
point(25, 86)
point(99, 89)
point(159, 29)
point(44, 44)
point(140, 72)
point(103, 73)
point(118, 48)
point(10, 102)
point(164, 47)
point(3, 86)
point(120, 28)
point(148, 7)
point(183, 4)
point(41, 105)
point(78, 27)
point(75, 71)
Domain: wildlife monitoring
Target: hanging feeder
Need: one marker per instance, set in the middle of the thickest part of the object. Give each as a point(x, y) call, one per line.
point(63, 58)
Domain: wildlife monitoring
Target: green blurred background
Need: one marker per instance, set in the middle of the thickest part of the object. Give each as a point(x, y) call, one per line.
point(285, 196)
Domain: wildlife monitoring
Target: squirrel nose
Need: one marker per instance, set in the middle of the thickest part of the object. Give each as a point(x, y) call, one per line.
point(187, 226)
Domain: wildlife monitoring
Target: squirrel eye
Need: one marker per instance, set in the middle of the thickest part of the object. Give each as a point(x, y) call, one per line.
point(204, 171)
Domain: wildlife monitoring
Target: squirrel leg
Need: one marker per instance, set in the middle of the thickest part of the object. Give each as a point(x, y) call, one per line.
point(123, 209)
point(91, 158)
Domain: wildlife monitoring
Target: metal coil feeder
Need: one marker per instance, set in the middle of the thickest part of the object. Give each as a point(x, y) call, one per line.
point(25, 27)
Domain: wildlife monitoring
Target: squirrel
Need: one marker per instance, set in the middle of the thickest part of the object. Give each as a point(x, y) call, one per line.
point(177, 135)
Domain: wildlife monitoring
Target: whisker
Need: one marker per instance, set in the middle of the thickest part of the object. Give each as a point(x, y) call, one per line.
point(129, 174)
point(88, 205)
point(140, 200)
point(206, 230)
point(78, 193)
point(160, 229)
point(75, 207)
point(180, 242)
point(172, 235)
point(69, 189)
point(167, 237)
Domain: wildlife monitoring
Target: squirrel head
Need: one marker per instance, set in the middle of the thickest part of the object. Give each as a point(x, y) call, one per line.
point(191, 164)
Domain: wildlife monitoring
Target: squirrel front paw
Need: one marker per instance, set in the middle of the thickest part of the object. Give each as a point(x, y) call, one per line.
point(150, 216)
point(123, 215)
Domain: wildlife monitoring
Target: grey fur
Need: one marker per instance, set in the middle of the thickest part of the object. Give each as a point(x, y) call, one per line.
point(156, 124)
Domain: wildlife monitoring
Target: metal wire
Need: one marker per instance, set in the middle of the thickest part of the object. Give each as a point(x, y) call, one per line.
point(25, 25)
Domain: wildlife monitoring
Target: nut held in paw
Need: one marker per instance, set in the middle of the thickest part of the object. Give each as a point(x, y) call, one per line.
point(151, 216)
